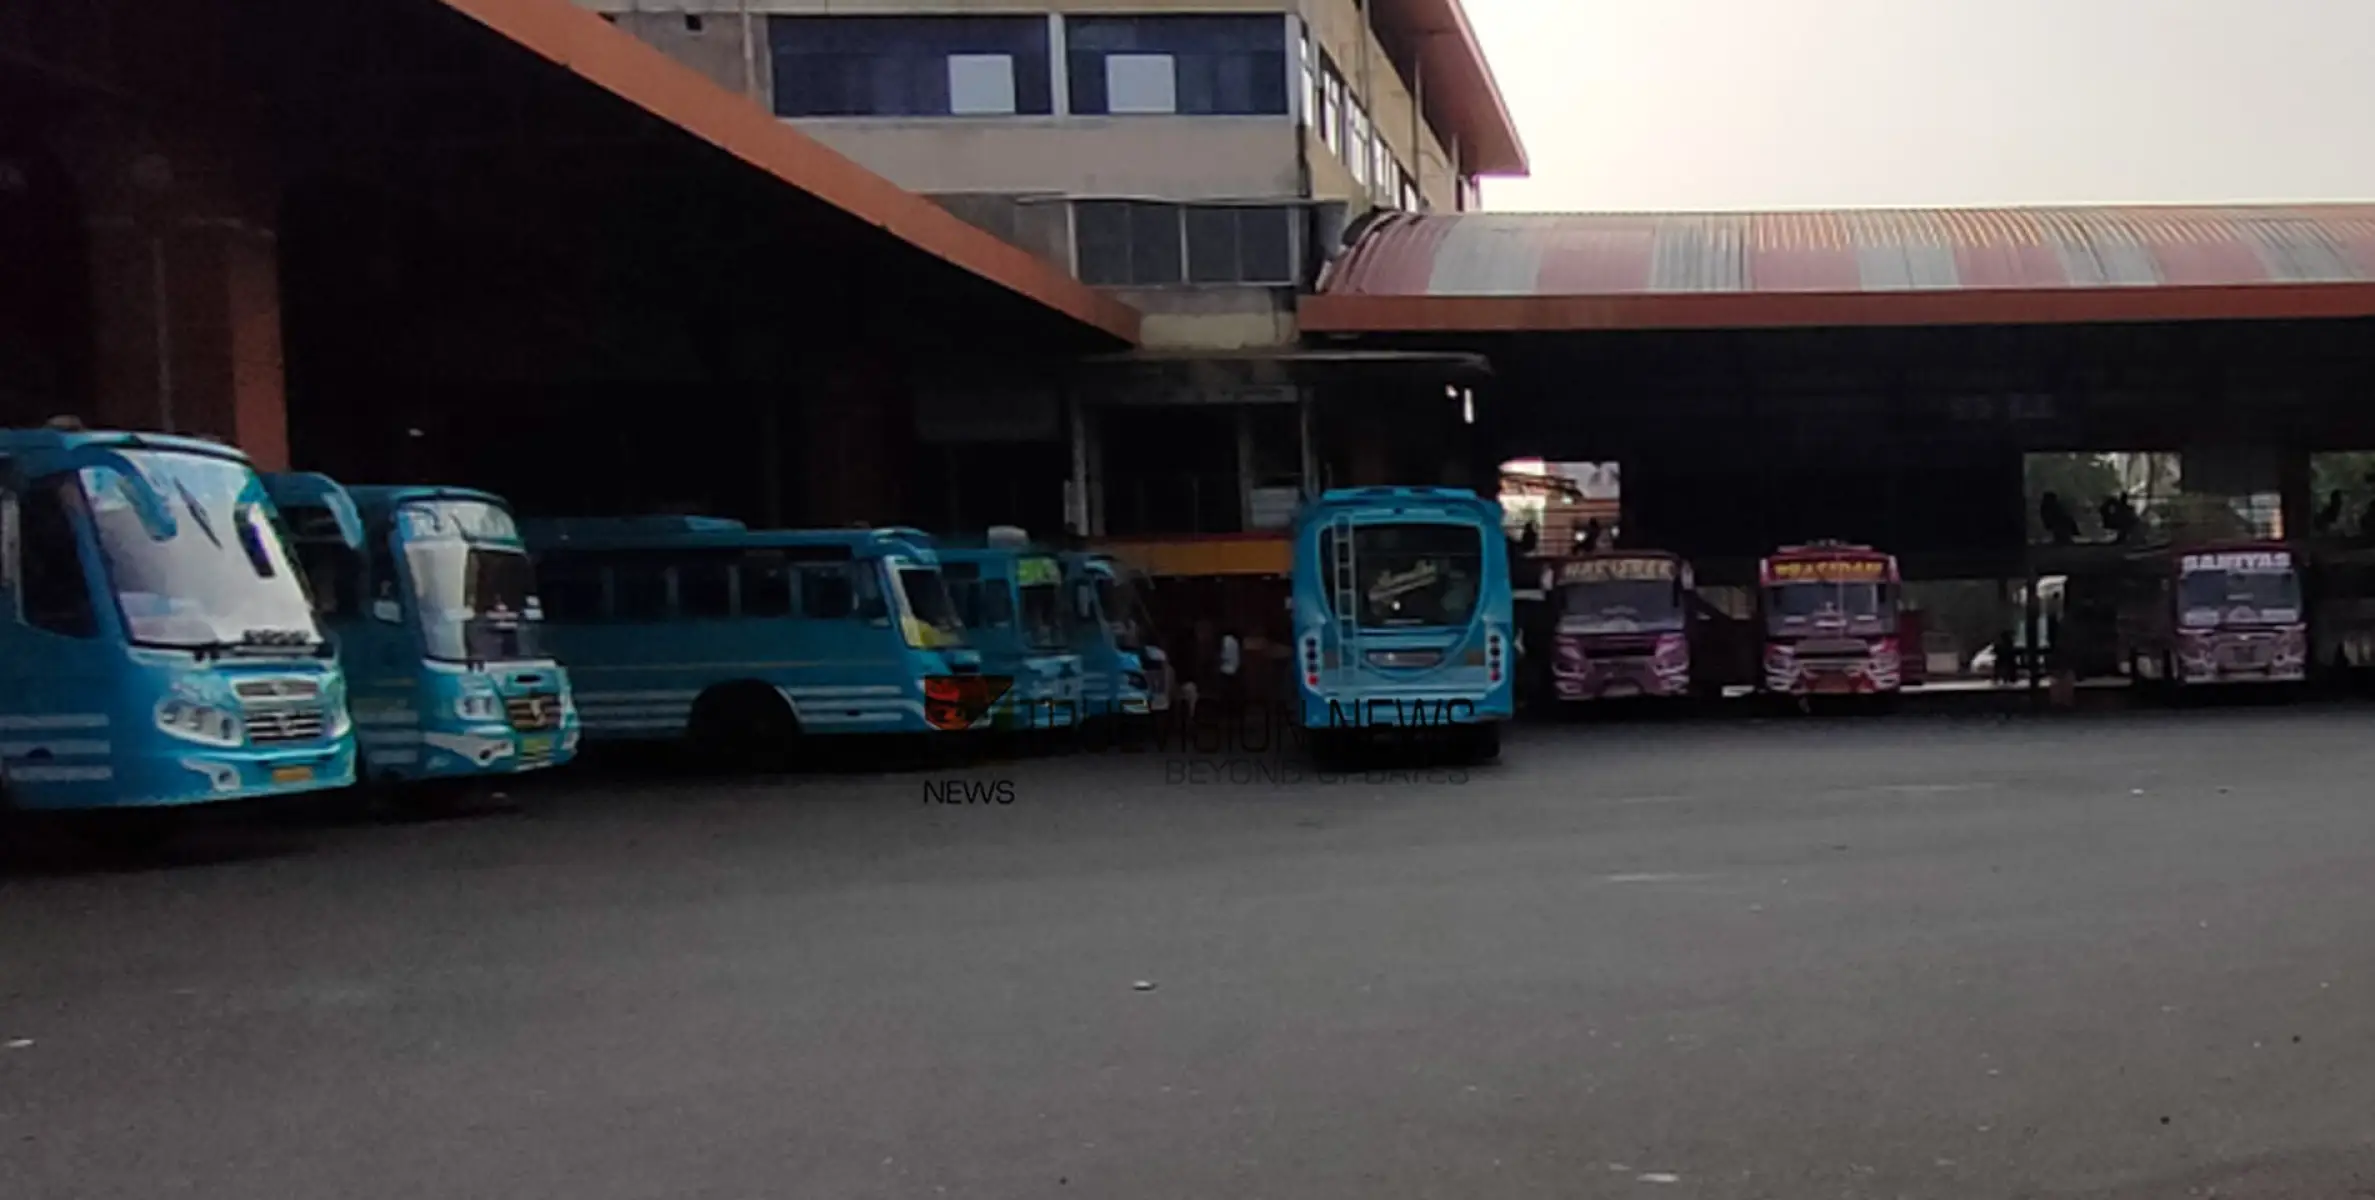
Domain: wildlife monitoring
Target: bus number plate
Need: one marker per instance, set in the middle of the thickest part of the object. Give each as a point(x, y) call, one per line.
point(292, 774)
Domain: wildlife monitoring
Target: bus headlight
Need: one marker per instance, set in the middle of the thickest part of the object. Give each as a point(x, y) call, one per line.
point(200, 723)
point(478, 706)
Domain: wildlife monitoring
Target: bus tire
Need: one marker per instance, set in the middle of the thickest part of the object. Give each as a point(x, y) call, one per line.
point(745, 724)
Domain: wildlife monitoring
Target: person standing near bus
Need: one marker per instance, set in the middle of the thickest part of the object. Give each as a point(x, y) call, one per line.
point(1232, 662)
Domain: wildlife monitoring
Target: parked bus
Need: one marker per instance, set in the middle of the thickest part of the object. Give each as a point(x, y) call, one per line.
point(1123, 672)
point(1018, 616)
point(743, 640)
point(1403, 615)
point(158, 648)
point(1830, 618)
point(439, 628)
point(1623, 626)
point(2226, 613)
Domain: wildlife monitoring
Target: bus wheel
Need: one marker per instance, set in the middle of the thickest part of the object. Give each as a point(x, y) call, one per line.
point(747, 725)
point(1483, 742)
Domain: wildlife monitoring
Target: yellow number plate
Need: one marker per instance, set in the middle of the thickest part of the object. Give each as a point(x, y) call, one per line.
point(542, 744)
point(292, 774)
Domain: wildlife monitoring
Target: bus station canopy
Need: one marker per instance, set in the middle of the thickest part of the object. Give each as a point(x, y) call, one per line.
point(1515, 272)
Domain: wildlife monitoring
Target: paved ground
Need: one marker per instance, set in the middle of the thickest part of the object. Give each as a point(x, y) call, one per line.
point(2105, 957)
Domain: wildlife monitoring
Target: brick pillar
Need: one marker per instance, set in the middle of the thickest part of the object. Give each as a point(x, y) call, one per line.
point(186, 317)
point(185, 283)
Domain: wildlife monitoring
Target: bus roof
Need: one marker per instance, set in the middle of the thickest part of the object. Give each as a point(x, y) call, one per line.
point(387, 495)
point(40, 441)
point(1827, 550)
point(652, 532)
point(992, 553)
point(1401, 499)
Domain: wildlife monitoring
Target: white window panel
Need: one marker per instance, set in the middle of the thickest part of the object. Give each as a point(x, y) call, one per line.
point(980, 84)
point(1141, 83)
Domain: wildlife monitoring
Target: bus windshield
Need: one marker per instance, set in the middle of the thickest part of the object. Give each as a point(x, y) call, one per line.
point(1621, 605)
point(1125, 613)
point(1794, 607)
point(223, 580)
point(931, 615)
point(1047, 620)
point(2241, 597)
point(1414, 573)
point(477, 602)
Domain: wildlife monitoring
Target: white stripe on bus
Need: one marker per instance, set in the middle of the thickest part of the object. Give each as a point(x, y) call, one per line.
point(69, 746)
point(57, 721)
point(59, 774)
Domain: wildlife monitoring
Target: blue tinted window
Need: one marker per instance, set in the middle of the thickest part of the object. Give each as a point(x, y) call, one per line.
point(1221, 65)
point(903, 66)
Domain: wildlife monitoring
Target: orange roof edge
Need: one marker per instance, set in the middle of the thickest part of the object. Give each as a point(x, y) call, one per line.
point(1781, 310)
point(618, 62)
point(1478, 110)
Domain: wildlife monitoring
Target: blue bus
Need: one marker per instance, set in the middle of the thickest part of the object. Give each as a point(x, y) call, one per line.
point(157, 647)
point(1114, 637)
point(1403, 615)
point(438, 626)
point(1017, 614)
point(742, 640)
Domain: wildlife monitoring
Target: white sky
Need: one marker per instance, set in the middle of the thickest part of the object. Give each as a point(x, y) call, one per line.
point(1742, 104)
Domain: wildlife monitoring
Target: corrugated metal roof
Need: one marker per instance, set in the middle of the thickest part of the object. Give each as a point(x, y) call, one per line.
point(1855, 251)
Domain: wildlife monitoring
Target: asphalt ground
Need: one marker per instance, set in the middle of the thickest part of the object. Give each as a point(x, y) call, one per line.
point(2122, 955)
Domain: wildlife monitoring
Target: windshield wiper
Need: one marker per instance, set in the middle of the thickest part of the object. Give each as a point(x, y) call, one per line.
point(197, 513)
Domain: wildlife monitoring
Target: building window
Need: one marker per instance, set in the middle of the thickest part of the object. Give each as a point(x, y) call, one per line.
point(1331, 106)
point(1129, 243)
point(910, 66)
point(1357, 154)
point(1412, 200)
point(1198, 65)
point(1310, 77)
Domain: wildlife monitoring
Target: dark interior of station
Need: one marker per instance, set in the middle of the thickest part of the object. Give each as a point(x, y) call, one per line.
point(495, 271)
point(1922, 441)
point(1911, 439)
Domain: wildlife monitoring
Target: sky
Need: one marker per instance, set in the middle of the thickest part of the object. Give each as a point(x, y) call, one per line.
point(1764, 104)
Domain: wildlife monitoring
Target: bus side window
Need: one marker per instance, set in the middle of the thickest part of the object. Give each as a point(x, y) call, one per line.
point(382, 570)
point(865, 578)
point(56, 595)
point(571, 588)
point(8, 547)
point(967, 591)
point(335, 575)
point(639, 590)
point(766, 586)
point(705, 588)
point(825, 593)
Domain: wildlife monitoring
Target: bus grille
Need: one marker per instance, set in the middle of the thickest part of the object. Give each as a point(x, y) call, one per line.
point(277, 689)
point(540, 710)
point(285, 725)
